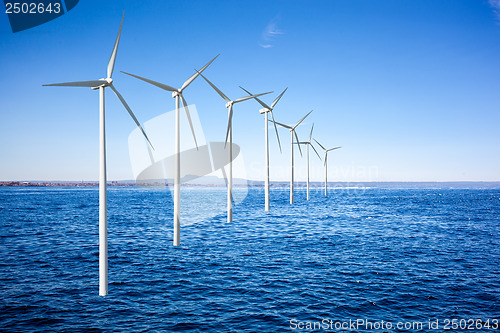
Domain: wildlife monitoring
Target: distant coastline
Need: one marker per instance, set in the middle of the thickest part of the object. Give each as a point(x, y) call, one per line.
point(251, 183)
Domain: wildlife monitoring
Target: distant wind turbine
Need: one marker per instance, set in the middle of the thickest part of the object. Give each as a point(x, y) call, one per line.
point(309, 143)
point(103, 224)
point(326, 164)
point(229, 137)
point(268, 109)
point(177, 94)
point(292, 133)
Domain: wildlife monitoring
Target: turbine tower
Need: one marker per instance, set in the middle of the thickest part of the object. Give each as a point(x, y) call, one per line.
point(177, 94)
point(292, 133)
point(229, 136)
point(309, 143)
point(266, 110)
point(326, 164)
point(103, 224)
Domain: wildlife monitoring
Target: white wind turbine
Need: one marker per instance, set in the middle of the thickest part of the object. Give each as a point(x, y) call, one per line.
point(229, 137)
point(177, 94)
point(326, 163)
point(292, 133)
point(103, 227)
point(309, 143)
point(268, 109)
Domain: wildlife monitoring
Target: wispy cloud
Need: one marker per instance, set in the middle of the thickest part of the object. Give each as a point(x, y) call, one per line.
point(496, 7)
point(270, 33)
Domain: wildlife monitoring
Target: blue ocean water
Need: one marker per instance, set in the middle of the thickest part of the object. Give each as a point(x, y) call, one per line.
point(378, 254)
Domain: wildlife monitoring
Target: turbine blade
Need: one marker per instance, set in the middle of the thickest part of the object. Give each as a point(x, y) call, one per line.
point(311, 134)
point(276, 129)
point(154, 83)
point(320, 144)
point(112, 59)
point(282, 125)
point(224, 174)
point(277, 99)
point(221, 94)
point(130, 113)
point(189, 119)
point(297, 124)
point(297, 137)
point(252, 96)
point(326, 156)
point(229, 124)
point(333, 148)
point(315, 151)
point(89, 84)
point(195, 75)
point(258, 100)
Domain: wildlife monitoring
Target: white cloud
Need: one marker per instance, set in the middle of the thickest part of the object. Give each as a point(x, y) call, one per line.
point(496, 6)
point(270, 33)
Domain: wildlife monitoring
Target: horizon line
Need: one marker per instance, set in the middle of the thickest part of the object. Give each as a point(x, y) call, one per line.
point(257, 181)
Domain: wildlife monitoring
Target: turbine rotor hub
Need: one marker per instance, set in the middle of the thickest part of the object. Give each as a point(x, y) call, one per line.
point(106, 82)
point(175, 94)
point(229, 104)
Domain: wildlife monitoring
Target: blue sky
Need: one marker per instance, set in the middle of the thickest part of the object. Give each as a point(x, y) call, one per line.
point(410, 89)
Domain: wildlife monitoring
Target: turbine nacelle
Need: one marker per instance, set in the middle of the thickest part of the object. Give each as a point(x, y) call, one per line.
point(265, 110)
point(105, 82)
point(176, 93)
point(229, 104)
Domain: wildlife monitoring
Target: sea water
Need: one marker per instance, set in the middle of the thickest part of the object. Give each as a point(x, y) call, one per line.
point(392, 255)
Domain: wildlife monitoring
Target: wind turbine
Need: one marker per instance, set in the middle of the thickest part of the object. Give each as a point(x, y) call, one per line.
point(309, 143)
point(177, 94)
point(292, 133)
point(229, 136)
point(268, 109)
point(103, 224)
point(326, 163)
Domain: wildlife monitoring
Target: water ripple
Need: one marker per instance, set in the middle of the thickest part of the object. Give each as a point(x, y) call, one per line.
point(383, 254)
